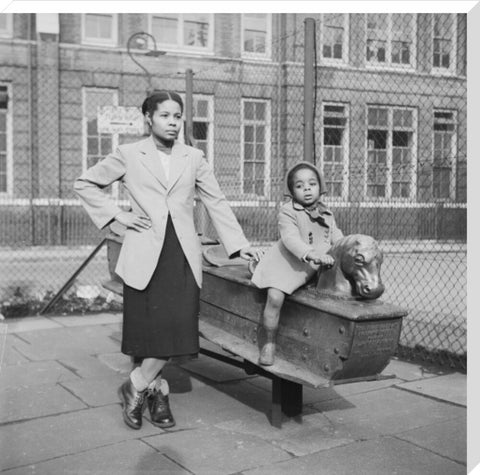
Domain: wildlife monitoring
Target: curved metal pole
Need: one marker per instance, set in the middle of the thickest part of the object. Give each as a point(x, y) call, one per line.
point(145, 70)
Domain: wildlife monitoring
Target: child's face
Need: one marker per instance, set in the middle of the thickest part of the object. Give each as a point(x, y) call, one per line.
point(167, 120)
point(306, 188)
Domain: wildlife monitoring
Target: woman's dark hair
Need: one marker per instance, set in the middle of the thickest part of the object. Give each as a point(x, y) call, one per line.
point(150, 103)
point(301, 166)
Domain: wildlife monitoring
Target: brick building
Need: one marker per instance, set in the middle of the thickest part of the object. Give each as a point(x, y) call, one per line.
point(390, 112)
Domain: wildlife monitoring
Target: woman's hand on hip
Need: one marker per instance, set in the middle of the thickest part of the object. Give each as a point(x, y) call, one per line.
point(133, 221)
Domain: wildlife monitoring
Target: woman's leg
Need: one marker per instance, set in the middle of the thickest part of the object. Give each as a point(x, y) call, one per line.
point(134, 391)
point(158, 390)
point(151, 367)
point(271, 316)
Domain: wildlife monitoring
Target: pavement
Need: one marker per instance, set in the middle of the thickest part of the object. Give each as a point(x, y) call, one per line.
point(60, 414)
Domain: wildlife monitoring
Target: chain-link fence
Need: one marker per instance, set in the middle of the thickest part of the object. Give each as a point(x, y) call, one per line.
point(388, 98)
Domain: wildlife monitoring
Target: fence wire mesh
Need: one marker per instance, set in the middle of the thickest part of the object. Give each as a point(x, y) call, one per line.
point(389, 102)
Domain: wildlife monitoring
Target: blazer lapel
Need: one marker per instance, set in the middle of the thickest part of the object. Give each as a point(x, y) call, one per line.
point(150, 159)
point(177, 165)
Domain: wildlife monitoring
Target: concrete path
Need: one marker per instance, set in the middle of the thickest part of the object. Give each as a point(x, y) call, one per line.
point(60, 414)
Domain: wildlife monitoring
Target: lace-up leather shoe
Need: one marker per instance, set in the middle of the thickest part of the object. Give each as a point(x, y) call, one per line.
point(133, 403)
point(160, 413)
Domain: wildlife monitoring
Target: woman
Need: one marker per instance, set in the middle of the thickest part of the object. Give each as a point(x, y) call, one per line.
point(160, 261)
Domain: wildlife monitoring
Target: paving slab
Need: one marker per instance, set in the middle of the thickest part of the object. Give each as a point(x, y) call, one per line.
point(9, 353)
point(299, 437)
point(447, 438)
point(211, 451)
point(62, 342)
point(90, 319)
point(86, 366)
point(208, 405)
point(411, 371)
point(116, 361)
point(451, 388)
point(38, 440)
point(311, 395)
point(386, 412)
point(380, 456)
point(96, 392)
point(36, 401)
point(34, 373)
point(132, 457)
point(28, 324)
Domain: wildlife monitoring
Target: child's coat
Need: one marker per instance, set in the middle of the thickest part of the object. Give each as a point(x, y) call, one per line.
point(282, 266)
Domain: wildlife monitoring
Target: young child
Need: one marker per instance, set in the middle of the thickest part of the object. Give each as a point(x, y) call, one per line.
point(307, 231)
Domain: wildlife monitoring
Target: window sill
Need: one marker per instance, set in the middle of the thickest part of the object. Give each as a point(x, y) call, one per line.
point(108, 44)
point(256, 57)
point(373, 66)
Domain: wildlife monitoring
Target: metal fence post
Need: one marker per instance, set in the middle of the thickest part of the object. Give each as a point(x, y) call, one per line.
point(189, 107)
point(189, 139)
point(308, 92)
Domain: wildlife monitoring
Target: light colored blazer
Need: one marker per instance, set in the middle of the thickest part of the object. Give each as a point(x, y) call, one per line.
point(282, 266)
point(138, 166)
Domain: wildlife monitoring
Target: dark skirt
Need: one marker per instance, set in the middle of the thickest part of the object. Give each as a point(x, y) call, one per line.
point(161, 321)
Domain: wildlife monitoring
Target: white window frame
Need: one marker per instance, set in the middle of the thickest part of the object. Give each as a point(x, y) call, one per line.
point(209, 120)
point(453, 170)
point(112, 41)
point(388, 51)
point(268, 140)
point(453, 57)
point(268, 39)
point(346, 146)
point(345, 52)
point(389, 155)
point(8, 31)
point(9, 129)
point(85, 89)
point(179, 46)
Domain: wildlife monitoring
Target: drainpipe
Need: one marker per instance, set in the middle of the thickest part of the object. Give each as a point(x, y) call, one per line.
point(309, 77)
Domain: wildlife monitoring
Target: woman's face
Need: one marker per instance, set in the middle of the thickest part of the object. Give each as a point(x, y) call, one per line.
point(166, 121)
point(306, 188)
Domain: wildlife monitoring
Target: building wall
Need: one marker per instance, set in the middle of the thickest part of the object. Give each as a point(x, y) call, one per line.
point(61, 67)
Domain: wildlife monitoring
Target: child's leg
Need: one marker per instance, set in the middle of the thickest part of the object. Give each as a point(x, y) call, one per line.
point(271, 316)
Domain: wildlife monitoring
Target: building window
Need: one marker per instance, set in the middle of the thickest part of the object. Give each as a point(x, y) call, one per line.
point(444, 44)
point(256, 147)
point(335, 150)
point(391, 153)
point(202, 133)
point(444, 154)
point(95, 145)
point(334, 37)
point(189, 31)
point(391, 39)
point(99, 29)
point(6, 25)
point(257, 35)
point(5, 142)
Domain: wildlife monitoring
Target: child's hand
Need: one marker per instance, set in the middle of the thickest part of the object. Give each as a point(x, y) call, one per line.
point(133, 221)
point(316, 257)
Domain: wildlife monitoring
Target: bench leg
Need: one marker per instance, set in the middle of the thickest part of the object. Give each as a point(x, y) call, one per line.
point(276, 414)
point(291, 398)
point(287, 398)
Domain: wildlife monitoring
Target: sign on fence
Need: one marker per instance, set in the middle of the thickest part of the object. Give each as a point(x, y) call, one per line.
point(120, 120)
